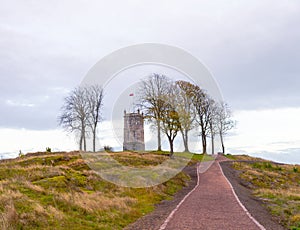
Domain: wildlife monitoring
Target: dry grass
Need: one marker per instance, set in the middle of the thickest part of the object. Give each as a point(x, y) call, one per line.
point(35, 188)
point(278, 185)
point(9, 217)
point(244, 158)
point(96, 201)
point(292, 193)
point(59, 191)
point(138, 159)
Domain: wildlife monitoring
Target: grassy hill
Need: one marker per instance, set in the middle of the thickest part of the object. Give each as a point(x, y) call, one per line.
point(276, 185)
point(59, 191)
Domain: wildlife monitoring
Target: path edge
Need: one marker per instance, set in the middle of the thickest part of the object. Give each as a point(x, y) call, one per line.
point(239, 202)
point(164, 225)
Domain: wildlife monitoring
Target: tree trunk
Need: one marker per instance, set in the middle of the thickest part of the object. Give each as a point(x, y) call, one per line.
point(84, 139)
point(184, 134)
point(212, 144)
point(158, 136)
point(80, 141)
point(171, 147)
point(203, 136)
point(94, 140)
point(84, 143)
point(222, 142)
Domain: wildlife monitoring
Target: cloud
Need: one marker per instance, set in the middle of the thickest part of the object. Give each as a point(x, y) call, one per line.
point(14, 140)
point(288, 156)
point(251, 47)
point(32, 111)
point(19, 104)
point(270, 134)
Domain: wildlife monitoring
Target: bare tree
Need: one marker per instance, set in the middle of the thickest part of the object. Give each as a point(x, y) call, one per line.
point(74, 115)
point(185, 109)
point(94, 96)
point(152, 93)
point(80, 112)
point(224, 122)
point(213, 128)
point(202, 106)
point(170, 117)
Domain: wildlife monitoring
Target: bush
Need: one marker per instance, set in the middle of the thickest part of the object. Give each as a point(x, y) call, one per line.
point(21, 154)
point(108, 148)
point(48, 150)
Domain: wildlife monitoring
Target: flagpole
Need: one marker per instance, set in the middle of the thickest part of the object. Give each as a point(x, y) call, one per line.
point(132, 102)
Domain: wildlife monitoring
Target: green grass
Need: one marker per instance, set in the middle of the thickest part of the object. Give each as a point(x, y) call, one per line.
point(243, 157)
point(59, 191)
point(229, 156)
point(142, 159)
point(278, 185)
point(201, 157)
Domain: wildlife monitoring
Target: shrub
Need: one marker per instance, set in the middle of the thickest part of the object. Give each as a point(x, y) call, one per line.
point(108, 148)
point(21, 154)
point(48, 150)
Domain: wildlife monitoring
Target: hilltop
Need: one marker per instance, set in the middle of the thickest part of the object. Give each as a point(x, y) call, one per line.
point(269, 190)
point(59, 191)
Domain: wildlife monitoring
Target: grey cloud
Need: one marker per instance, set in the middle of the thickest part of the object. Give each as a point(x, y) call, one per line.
point(34, 112)
point(289, 156)
point(251, 47)
point(263, 72)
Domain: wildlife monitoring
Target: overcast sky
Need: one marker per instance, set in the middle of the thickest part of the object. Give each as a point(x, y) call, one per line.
point(46, 47)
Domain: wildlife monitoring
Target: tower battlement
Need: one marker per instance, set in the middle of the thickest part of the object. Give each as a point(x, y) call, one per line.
point(133, 131)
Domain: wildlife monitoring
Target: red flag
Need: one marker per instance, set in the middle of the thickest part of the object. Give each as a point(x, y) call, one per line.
point(131, 94)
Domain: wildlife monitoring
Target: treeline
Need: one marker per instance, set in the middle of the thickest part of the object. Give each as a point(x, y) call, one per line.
point(81, 113)
point(180, 106)
point(171, 106)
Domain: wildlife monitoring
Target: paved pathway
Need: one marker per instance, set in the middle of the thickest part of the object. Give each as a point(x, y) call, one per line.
point(211, 205)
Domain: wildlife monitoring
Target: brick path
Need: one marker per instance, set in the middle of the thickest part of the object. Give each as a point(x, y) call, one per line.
point(212, 205)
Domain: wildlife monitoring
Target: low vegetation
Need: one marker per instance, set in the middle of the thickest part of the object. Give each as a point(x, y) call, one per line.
point(200, 158)
point(153, 158)
point(59, 191)
point(277, 185)
point(243, 158)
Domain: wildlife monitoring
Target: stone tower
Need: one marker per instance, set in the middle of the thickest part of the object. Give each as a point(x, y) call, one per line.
point(133, 131)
